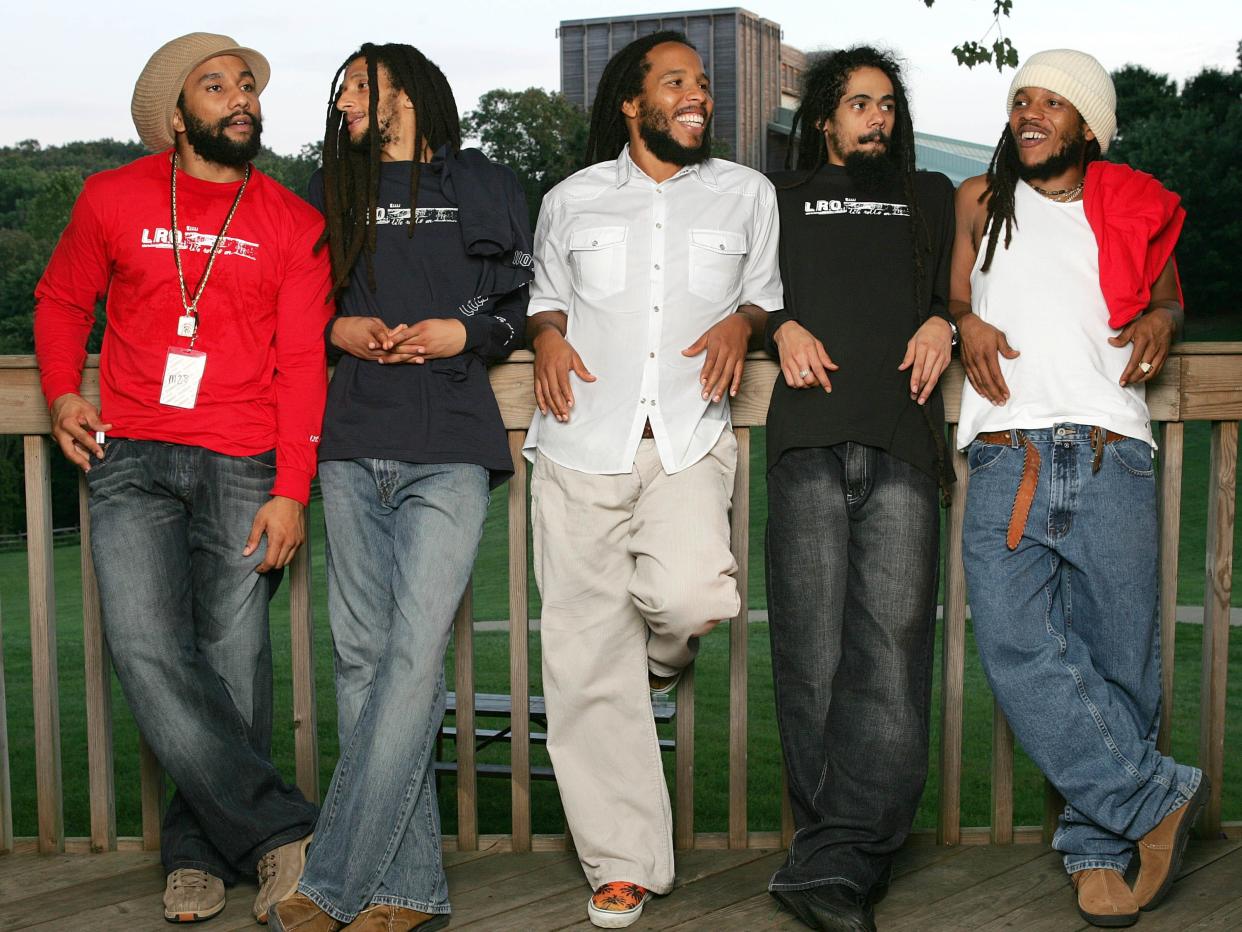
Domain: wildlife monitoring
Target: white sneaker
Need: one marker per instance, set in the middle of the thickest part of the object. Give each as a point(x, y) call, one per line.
point(617, 904)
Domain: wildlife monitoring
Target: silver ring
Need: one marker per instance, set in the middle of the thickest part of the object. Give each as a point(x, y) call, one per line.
point(1146, 367)
point(805, 372)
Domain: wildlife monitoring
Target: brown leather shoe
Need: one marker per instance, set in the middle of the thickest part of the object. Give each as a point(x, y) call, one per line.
point(299, 913)
point(384, 917)
point(1161, 849)
point(1104, 899)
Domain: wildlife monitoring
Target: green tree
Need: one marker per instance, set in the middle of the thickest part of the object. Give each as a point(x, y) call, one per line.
point(999, 51)
point(1191, 141)
point(537, 133)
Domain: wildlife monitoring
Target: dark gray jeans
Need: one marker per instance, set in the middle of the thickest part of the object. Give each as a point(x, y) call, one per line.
point(852, 547)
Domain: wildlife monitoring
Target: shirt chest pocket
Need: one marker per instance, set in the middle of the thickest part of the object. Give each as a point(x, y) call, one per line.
point(716, 258)
point(597, 257)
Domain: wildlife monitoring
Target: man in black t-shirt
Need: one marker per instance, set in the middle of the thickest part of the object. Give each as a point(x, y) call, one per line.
point(855, 455)
point(431, 254)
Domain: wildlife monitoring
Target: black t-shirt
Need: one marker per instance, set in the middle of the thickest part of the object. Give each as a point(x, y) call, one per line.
point(442, 411)
point(848, 269)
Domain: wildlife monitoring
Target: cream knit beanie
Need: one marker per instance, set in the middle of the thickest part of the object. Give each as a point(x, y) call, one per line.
point(161, 81)
point(1081, 80)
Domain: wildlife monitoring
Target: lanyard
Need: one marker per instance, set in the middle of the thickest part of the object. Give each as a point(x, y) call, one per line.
point(191, 305)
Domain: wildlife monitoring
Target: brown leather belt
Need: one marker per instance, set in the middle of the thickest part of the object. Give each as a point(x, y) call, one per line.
point(1025, 495)
point(647, 434)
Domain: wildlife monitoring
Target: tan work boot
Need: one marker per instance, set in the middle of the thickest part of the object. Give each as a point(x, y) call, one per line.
point(1104, 899)
point(384, 917)
point(299, 913)
point(191, 895)
point(1161, 849)
point(279, 872)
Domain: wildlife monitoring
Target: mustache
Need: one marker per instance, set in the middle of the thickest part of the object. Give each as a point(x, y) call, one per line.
point(876, 135)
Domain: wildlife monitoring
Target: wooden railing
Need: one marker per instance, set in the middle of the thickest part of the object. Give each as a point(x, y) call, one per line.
point(1201, 382)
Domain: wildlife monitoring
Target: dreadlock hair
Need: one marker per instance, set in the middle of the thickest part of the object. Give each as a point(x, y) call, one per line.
point(351, 177)
point(622, 80)
point(825, 85)
point(1003, 174)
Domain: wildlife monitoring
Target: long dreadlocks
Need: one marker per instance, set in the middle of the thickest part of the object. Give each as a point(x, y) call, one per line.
point(351, 177)
point(826, 81)
point(622, 80)
point(1003, 174)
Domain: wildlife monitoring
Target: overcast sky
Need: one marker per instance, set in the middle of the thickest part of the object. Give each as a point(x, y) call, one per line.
point(76, 62)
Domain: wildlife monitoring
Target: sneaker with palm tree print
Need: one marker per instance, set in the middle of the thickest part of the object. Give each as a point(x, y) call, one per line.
point(617, 904)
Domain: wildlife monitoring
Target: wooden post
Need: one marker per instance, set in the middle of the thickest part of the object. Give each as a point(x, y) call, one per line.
point(1171, 449)
point(463, 680)
point(98, 694)
point(1216, 595)
point(302, 648)
point(953, 662)
point(739, 632)
point(519, 641)
point(1054, 803)
point(6, 787)
point(151, 775)
point(44, 676)
point(683, 809)
point(1002, 778)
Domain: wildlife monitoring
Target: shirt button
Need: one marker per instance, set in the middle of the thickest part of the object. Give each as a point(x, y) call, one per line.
point(657, 309)
point(653, 402)
point(651, 355)
point(659, 226)
point(657, 267)
point(595, 242)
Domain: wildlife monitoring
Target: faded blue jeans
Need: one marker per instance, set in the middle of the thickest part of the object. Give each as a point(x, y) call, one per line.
point(1067, 632)
point(185, 617)
point(852, 546)
point(402, 538)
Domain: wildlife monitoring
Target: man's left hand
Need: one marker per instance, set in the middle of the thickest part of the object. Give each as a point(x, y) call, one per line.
point(927, 356)
point(283, 522)
point(725, 344)
point(435, 338)
point(1152, 335)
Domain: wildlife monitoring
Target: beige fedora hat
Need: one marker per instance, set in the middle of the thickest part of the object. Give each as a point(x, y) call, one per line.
point(160, 83)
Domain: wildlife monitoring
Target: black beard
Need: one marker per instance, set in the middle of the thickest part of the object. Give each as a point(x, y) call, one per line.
point(872, 172)
point(209, 142)
point(1070, 156)
point(653, 129)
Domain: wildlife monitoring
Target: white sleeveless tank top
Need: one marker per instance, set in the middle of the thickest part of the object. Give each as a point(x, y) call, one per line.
point(1043, 293)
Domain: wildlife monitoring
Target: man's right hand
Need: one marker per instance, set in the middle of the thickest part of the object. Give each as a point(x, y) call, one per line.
point(364, 337)
point(554, 360)
point(982, 345)
point(804, 361)
point(74, 423)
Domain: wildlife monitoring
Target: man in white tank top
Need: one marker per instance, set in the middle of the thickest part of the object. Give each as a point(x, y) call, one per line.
point(1060, 532)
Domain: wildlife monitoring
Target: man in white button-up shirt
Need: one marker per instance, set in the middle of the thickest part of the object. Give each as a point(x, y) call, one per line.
point(654, 267)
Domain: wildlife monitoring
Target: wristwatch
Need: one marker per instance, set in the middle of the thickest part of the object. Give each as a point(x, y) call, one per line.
point(953, 327)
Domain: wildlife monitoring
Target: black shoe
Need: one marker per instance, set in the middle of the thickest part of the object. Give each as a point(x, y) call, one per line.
point(832, 906)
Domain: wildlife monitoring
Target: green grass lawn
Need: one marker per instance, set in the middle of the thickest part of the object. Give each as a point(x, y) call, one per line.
point(491, 599)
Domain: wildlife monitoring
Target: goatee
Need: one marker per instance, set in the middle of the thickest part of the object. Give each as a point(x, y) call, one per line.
point(209, 142)
point(654, 130)
point(1070, 156)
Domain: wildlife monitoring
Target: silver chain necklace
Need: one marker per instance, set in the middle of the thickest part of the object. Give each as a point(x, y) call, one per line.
point(1065, 195)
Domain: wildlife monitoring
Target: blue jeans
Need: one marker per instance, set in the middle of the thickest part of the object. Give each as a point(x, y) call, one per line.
point(1066, 628)
point(402, 538)
point(185, 617)
point(852, 545)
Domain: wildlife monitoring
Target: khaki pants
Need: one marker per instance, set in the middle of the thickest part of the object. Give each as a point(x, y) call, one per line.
point(632, 568)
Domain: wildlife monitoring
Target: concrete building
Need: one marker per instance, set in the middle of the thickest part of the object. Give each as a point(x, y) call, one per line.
point(756, 82)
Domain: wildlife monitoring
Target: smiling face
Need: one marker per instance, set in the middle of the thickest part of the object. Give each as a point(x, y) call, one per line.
point(218, 117)
point(670, 119)
point(863, 120)
point(1050, 134)
point(395, 119)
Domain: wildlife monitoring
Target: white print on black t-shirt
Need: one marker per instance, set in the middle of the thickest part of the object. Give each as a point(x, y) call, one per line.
point(395, 214)
point(194, 241)
point(851, 206)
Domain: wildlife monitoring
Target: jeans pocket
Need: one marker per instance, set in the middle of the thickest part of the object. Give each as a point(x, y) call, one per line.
point(1134, 456)
point(267, 458)
point(982, 455)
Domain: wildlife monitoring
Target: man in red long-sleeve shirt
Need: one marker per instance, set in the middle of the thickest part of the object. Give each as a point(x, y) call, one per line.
point(200, 456)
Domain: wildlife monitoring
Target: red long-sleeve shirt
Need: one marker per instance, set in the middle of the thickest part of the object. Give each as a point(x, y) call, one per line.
point(261, 317)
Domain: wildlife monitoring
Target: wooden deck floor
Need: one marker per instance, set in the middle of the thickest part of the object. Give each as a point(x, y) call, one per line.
point(1020, 887)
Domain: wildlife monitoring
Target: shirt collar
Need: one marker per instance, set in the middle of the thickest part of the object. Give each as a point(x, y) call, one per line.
point(628, 171)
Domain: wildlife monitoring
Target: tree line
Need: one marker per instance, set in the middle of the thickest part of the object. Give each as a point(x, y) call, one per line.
point(1190, 137)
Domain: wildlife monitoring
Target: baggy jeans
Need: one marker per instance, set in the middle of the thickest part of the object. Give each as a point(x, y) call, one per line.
point(1067, 632)
point(185, 617)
